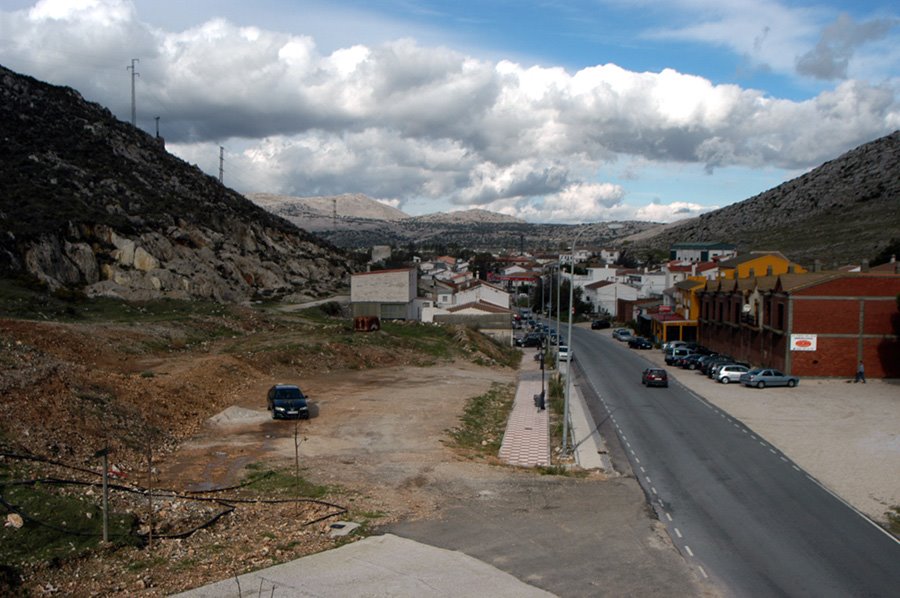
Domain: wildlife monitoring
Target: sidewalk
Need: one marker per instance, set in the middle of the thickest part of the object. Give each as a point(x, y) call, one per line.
point(526, 442)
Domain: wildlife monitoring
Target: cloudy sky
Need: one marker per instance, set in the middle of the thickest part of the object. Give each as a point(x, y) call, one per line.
point(550, 110)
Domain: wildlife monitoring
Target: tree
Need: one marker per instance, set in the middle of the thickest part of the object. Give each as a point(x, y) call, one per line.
point(892, 250)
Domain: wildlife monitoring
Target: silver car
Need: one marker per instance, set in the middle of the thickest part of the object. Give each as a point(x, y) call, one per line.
point(761, 378)
point(731, 373)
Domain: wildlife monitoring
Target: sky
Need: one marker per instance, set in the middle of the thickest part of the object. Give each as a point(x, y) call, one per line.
point(547, 110)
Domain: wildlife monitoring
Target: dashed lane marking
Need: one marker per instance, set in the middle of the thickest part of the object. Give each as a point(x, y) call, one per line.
point(669, 517)
point(678, 533)
point(703, 572)
point(688, 549)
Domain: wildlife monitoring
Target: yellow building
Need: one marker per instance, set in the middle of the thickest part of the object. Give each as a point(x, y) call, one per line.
point(758, 263)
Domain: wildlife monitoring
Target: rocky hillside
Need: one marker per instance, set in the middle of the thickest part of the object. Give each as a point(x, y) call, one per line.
point(469, 217)
point(93, 204)
point(349, 205)
point(844, 211)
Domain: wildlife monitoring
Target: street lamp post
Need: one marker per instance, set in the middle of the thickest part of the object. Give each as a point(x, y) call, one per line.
point(565, 438)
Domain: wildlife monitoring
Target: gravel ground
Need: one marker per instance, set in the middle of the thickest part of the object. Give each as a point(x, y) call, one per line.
point(845, 435)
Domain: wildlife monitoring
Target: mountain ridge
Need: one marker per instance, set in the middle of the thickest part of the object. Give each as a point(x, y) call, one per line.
point(844, 211)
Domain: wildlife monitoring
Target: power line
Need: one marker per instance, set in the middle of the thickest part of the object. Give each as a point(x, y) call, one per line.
point(134, 74)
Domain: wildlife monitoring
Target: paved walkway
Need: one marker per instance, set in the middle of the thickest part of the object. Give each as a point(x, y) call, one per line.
point(526, 442)
point(527, 439)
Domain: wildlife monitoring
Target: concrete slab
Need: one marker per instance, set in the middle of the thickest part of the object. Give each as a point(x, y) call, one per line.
point(377, 566)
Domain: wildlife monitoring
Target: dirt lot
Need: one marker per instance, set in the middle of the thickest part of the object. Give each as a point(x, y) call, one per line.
point(378, 434)
point(374, 451)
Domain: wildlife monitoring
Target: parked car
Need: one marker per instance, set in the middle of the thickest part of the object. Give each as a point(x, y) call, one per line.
point(672, 344)
point(717, 360)
point(717, 368)
point(622, 334)
point(600, 324)
point(690, 362)
point(287, 401)
point(731, 373)
point(760, 378)
point(639, 342)
point(677, 353)
point(655, 377)
point(532, 339)
point(566, 354)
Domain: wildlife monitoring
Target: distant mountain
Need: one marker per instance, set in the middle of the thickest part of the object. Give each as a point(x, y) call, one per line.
point(844, 211)
point(468, 217)
point(363, 222)
point(355, 205)
point(91, 203)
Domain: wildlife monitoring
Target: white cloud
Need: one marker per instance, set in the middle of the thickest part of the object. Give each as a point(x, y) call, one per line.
point(413, 123)
point(677, 210)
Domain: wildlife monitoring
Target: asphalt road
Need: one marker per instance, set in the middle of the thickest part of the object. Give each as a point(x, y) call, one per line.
point(738, 509)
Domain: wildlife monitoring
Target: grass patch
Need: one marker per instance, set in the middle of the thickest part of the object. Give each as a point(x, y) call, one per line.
point(484, 421)
point(59, 523)
point(281, 482)
point(893, 517)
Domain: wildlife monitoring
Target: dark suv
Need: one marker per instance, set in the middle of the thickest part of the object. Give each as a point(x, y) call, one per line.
point(287, 401)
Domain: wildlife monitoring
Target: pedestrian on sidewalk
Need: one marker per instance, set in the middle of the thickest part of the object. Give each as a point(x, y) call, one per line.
point(860, 373)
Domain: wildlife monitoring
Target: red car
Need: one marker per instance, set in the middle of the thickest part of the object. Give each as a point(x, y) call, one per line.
point(655, 377)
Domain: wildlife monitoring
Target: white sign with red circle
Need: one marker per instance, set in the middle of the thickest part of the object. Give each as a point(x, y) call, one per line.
point(803, 342)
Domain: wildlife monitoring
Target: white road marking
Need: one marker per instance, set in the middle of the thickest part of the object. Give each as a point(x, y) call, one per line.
point(703, 572)
point(773, 451)
point(652, 489)
point(643, 470)
point(678, 533)
point(795, 467)
point(753, 437)
point(761, 443)
point(669, 517)
point(688, 549)
point(637, 460)
point(648, 479)
point(783, 459)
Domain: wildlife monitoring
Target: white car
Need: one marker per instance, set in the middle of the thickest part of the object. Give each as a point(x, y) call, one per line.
point(565, 353)
point(731, 373)
point(672, 345)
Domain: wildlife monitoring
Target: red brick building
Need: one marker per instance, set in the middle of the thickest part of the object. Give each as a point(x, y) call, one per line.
point(815, 324)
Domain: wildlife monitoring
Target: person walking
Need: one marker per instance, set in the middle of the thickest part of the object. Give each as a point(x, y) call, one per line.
point(860, 373)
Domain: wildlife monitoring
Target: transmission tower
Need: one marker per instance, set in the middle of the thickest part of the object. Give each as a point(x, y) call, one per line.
point(221, 164)
point(134, 74)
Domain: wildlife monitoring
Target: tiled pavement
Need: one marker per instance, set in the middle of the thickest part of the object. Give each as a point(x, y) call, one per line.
point(527, 439)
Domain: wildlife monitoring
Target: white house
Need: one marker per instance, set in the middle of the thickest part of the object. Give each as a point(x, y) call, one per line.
point(481, 291)
point(604, 295)
point(701, 252)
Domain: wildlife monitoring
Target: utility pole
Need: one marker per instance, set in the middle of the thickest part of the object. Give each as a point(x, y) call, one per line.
point(134, 74)
point(156, 118)
point(334, 212)
point(221, 165)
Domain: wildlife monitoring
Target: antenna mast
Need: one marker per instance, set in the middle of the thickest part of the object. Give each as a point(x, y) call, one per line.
point(134, 74)
point(221, 164)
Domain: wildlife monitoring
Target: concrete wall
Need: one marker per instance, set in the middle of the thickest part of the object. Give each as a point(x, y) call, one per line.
point(385, 286)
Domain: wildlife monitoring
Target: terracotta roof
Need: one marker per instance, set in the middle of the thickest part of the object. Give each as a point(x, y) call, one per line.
point(598, 284)
point(482, 306)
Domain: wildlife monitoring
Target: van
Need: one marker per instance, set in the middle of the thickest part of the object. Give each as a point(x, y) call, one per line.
point(676, 353)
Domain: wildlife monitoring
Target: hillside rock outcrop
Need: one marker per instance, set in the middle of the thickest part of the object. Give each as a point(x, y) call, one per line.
point(92, 203)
